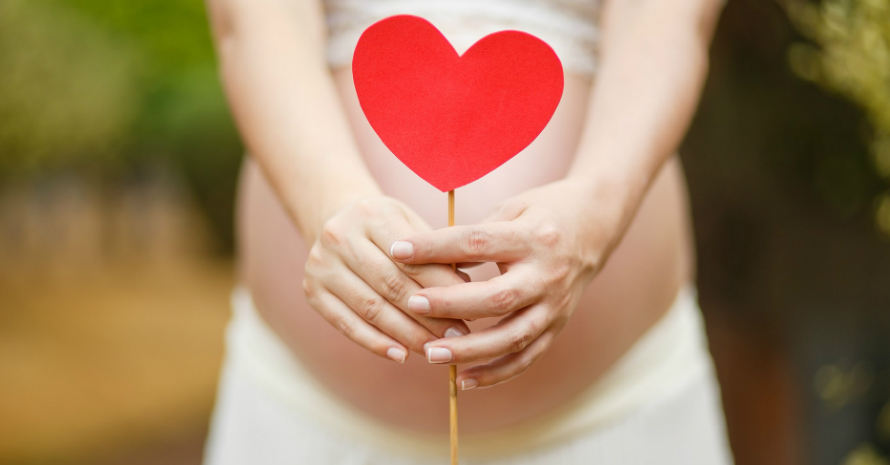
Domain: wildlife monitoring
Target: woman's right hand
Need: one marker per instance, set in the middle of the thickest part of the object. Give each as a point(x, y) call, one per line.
point(354, 284)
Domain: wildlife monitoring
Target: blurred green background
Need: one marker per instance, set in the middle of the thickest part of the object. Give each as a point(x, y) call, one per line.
point(118, 163)
point(114, 90)
point(118, 167)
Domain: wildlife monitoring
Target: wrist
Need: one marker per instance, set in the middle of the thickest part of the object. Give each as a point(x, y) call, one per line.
point(608, 201)
point(615, 195)
point(324, 205)
point(618, 174)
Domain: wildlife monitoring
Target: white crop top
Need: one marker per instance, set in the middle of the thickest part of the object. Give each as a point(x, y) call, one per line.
point(568, 26)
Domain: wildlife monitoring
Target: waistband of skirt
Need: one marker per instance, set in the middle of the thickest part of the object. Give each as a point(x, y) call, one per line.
point(668, 357)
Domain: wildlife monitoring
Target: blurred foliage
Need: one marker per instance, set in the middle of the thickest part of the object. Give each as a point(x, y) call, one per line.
point(851, 56)
point(116, 87)
point(55, 104)
point(838, 387)
point(865, 454)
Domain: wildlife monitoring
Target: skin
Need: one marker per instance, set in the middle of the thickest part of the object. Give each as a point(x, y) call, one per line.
point(588, 228)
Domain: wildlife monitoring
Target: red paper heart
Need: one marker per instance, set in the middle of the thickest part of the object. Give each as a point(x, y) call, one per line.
point(453, 119)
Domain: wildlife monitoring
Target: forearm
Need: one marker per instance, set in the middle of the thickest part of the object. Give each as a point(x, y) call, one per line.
point(653, 64)
point(286, 106)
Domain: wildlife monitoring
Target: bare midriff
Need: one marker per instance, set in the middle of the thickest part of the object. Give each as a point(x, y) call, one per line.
point(635, 288)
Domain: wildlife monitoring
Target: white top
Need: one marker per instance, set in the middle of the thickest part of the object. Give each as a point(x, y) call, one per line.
point(568, 26)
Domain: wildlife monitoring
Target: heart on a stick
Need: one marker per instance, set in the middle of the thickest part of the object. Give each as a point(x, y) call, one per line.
point(454, 118)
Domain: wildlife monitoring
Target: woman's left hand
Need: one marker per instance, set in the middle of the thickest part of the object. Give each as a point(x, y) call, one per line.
point(548, 243)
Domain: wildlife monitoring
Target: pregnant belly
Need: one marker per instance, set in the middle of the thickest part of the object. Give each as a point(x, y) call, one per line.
point(629, 295)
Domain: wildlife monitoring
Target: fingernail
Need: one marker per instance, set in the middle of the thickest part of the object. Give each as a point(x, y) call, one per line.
point(400, 250)
point(468, 384)
point(438, 355)
point(396, 354)
point(454, 332)
point(419, 304)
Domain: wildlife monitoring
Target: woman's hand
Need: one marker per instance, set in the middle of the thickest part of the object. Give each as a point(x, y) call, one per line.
point(352, 282)
point(548, 243)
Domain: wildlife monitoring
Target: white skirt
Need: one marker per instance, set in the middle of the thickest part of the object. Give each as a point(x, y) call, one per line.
point(659, 403)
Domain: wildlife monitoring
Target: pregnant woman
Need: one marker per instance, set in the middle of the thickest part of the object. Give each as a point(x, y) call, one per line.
point(582, 312)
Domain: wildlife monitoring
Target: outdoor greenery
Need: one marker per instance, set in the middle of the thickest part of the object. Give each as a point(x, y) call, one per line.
point(116, 89)
point(68, 90)
point(850, 55)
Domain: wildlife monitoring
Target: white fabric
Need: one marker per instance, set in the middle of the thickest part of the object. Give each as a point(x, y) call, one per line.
point(658, 404)
point(568, 26)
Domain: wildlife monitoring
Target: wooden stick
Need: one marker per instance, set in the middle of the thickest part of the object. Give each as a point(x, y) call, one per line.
point(452, 370)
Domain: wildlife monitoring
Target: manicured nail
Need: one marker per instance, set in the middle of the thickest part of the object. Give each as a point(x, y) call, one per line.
point(454, 332)
point(401, 250)
point(419, 304)
point(438, 355)
point(396, 354)
point(468, 384)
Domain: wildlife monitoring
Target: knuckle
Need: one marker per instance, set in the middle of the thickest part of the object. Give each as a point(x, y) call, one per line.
point(477, 242)
point(308, 288)
point(561, 271)
point(535, 326)
point(370, 309)
point(594, 262)
point(332, 234)
point(547, 235)
point(367, 207)
point(395, 286)
point(315, 258)
point(504, 300)
point(412, 270)
point(345, 326)
point(519, 339)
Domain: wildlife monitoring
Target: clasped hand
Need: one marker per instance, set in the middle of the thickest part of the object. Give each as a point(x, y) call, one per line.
point(381, 275)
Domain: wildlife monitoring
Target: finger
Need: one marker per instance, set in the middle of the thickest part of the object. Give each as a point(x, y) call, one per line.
point(386, 279)
point(374, 309)
point(498, 296)
point(506, 367)
point(433, 275)
point(352, 326)
point(507, 212)
point(428, 275)
point(511, 335)
point(466, 265)
point(492, 242)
